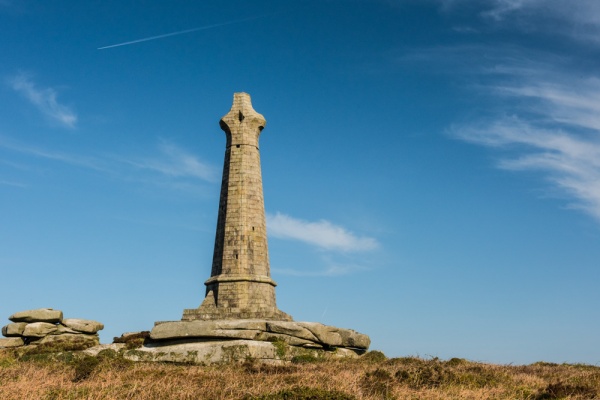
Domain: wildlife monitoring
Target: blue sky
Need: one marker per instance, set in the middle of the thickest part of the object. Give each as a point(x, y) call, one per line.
point(431, 168)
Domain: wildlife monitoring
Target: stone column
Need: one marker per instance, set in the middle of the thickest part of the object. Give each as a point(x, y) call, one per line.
point(240, 286)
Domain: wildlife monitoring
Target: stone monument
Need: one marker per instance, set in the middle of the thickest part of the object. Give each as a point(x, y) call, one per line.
point(238, 318)
point(240, 285)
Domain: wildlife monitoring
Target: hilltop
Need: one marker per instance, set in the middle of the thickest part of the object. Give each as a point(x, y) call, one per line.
point(74, 375)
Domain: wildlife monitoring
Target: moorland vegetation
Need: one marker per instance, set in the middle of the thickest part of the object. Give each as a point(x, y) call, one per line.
point(74, 375)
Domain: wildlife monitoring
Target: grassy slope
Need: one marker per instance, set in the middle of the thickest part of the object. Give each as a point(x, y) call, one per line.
point(71, 376)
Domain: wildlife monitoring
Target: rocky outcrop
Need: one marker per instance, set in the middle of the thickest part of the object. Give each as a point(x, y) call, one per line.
point(46, 327)
point(223, 341)
point(301, 334)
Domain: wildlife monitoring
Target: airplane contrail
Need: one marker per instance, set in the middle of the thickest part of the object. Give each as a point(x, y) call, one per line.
point(179, 32)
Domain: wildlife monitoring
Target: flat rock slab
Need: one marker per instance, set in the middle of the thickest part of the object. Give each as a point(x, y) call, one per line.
point(83, 325)
point(221, 352)
point(39, 329)
point(38, 315)
point(307, 334)
point(11, 342)
point(14, 329)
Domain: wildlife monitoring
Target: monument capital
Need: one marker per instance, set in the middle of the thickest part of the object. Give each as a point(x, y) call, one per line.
point(242, 124)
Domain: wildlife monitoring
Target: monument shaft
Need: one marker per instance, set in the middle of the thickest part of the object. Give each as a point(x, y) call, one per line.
point(240, 285)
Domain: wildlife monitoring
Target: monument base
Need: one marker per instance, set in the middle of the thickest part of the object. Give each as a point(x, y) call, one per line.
point(222, 352)
point(239, 297)
point(222, 341)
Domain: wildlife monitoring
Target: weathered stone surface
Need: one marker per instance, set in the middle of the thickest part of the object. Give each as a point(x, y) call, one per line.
point(93, 351)
point(291, 340)
point(306, 334)
point(354, 339)
point(234, 329)
point(70, 341)
point(83, 325)
point(11, 342)
point(39, 329)
point(60, 329)
point(338, 337)
point(291, 329)
point(218, 352)
point(328, 335)
point(38, 315)
point(205, 352)
point(14, 329)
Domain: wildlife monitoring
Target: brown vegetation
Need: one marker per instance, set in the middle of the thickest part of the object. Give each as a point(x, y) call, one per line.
point(70, 375)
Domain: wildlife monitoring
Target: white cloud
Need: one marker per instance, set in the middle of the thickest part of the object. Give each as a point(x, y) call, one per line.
point(45, 99)
point(322, 233)
point(554, 130)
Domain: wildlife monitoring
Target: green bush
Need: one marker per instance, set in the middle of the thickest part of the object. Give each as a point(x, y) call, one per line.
point(562, 390)
point(374, 356)
point(377, 383)
point(84, 367)
point(305, 359)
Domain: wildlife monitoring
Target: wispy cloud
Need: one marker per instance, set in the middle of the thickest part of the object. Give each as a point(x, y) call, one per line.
point(94, 163)
point(581, 11)
point(578, 19)
point(175, 162)
point(553, 127)
point(45, 99)
point(171, 166)
point(322, 234)
point(330, 269)
point(499, 9)
point(11, 183)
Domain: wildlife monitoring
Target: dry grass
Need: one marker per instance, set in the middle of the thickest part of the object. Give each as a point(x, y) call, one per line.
point(72, 376)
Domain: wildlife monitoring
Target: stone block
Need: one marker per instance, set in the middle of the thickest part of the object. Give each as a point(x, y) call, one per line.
point(304, 334)
point(327, 335)
point(14, 329)
point(291, 329)
point(38, 315)
point(39, 329)
point(234, 329)
point(83, 325)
